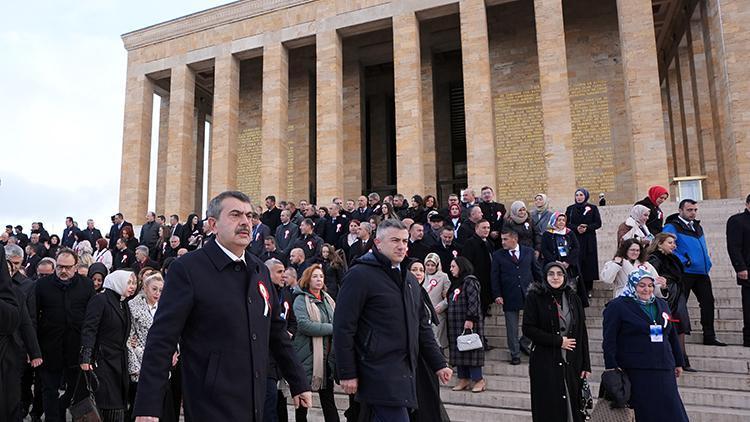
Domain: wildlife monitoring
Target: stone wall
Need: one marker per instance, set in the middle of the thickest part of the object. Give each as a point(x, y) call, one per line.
point(249, 145)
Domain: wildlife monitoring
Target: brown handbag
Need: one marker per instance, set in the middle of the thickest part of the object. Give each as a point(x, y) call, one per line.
point(85, 410)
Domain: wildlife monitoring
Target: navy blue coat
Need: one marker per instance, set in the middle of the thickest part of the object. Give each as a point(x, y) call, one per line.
point(380, 331)
point(511, 280)
point(215, 309)
point(627, 341)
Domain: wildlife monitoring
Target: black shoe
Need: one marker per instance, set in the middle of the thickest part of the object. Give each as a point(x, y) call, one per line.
point(713, 342)
point(515, 361)
point(689, 369)
point(487, 347)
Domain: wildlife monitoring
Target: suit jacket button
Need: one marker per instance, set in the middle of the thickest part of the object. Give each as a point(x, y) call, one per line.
point(257, 374)
point(254, 336)
point(250, 301)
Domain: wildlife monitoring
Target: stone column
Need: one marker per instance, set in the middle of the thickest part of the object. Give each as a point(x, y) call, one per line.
point(692, 124)
point(480, 126)
point(136, 146)
point(727, 23)
point(161, 167)
point(428, 125)
point(677, 121)
point(353, 108)
point(180, 198)
point(642, 94)
point(407, 80)
point(275, 108)
point(200, 147)
point(329, 116)
point(553, 81)
point(222, 169)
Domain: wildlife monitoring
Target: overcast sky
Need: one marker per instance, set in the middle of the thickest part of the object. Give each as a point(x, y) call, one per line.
point(62, 79)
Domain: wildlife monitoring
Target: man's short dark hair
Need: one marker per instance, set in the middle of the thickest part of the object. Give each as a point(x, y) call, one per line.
point(214, 206)
point(510, 231)
point(485, 188)
point(68, 218)
point(254, 215)
point(271, 197)
point(161, 217)
point(482, 221)
point(747, 200)
point(119, 214)
point(687, 201)
point(63, 251)
point(411, 226)
point(271, 238)
point(308, 221)
point(20, 228)
point(175, 216)
point(446, 228)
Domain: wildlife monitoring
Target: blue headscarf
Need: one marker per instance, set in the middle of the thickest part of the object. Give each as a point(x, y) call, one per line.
point(633, 279)
point(586, 196)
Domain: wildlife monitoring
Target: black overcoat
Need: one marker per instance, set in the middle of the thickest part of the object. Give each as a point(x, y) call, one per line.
point(380, 331)
point(464, 304)
point(547, 369)
point(588, 258)
point(479, 253)
point(10, 318)
point(103, 338)
point(738, 243)
point(216, 309)
point(60, 311)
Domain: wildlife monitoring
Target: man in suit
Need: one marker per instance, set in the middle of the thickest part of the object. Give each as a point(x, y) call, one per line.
point(446, 248)
point(362, 212)
point(118, 222)
point(336, 226)
point(738, 246)
point(226, 334)
point(492, 211)
point(286, 233)
point(478, 250)
point(514, 268)
point(363, 244)
point(177, 229)
point(259, 234)
point(310, 243)
point(466, 230)
point(150, 231)
point(271, 251)
point(68, 236)
point(92, 233)
point(417, 247)
point(272, 216)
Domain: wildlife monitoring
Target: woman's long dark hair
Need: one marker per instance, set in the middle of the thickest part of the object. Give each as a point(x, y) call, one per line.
point(334, 258)
point(622, 251)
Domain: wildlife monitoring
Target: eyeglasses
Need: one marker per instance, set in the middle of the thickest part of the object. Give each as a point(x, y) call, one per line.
point(556, 273)
point(65, 267)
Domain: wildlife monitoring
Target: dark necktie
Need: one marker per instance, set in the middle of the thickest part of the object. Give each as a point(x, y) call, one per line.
point(513, 256)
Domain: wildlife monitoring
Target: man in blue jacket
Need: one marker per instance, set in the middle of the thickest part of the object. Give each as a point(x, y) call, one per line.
point(382, 329)
point(693, 252)
point(514, 268)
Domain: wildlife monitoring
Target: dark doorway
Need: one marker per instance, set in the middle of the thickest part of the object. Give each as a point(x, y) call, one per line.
point(380, 130)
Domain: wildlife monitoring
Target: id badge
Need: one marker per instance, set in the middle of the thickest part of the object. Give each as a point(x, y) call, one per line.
point(562, 250)
point(657, 333)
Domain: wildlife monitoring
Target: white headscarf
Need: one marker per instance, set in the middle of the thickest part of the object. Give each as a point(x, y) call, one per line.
point(117, 281)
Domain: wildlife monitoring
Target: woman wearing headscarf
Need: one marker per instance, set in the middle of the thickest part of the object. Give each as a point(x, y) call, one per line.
point(313, 341)
point(641, 340)
point(635, 226)
point(437, 284)
point(560, 245)
point(519, 220)
point(661, 256)
point(541, 213)
point(430, 407)
point(102, 254)
point(554, 320)
point(464, 316)
point(630, 256)
point(104, 334)
point(657, 195)
point(97, 273)
point(584, 220)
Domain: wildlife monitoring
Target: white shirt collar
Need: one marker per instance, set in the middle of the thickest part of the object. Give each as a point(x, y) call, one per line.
point(517, 249)
point(229, 253)
point(687, 223)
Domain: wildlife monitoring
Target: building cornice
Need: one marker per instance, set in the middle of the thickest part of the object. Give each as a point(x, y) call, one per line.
point(206, 19)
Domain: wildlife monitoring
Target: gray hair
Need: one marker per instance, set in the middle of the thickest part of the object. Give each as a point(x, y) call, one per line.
point(47, 261)
point(174, 237)
point(366, 226)
point(142, 249)
point(272, 262)
point(374, 196)
point(13, 250)
point(214, 206)
point(389, 223)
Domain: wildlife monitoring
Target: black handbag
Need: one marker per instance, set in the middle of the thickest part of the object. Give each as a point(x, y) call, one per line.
point(587, 400)
point(85, 410)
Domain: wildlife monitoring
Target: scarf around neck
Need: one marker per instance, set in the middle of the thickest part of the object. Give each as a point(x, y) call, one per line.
point(319, 361)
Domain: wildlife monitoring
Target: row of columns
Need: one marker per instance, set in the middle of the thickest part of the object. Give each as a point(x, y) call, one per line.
point(413, 153)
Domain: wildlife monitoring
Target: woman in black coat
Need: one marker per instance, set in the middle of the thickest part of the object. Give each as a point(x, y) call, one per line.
point(554, 320)
point(103, 344)
point(584, 220)
point(465, 315)
point(559, 244)
point(333, 268)
point(668, 265)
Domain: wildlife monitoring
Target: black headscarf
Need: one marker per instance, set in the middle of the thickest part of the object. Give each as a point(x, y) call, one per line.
point(556, 292)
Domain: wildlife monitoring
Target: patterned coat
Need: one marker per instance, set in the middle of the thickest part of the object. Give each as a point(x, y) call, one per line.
point(464, 304)
point(141, 320)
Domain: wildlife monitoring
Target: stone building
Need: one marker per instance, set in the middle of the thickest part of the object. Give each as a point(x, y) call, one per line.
point(320, 98)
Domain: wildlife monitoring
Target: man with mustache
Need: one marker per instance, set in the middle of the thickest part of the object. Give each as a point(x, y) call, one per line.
point(226, 333)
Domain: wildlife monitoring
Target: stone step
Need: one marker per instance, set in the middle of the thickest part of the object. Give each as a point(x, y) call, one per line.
point(729, 291)
point(729, 325)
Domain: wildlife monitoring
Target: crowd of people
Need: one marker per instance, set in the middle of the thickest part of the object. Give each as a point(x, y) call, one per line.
point(228, 315)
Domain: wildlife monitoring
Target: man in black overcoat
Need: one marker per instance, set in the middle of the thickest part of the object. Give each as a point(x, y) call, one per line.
point(478, 250)
point(272, 216)
point(220, 305)
point(382, 328)
point(61, 301)
point(738, 246)
point(10, 317)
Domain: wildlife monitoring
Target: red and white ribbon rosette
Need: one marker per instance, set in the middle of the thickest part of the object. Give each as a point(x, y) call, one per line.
point(586, 210)
point(456, 293)
point(266, 298)
point(433, 284)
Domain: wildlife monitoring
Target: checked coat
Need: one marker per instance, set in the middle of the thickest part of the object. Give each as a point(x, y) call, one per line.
point(464, 304)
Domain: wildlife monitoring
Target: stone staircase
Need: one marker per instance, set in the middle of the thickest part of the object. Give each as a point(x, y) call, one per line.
point(720, 391)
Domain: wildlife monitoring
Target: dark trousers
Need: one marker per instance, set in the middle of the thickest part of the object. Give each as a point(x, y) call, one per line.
point(327, 402)
point(281, 412)
point(352, 413)
point(55, 406)
point(746, 315)
point(700, 285)
point(389, 414)
point(272, 398)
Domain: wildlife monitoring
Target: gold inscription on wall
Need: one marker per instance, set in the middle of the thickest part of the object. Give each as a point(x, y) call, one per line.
point(519, 145)
point(249, 151)
point(592, 140)
point(290, 162)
